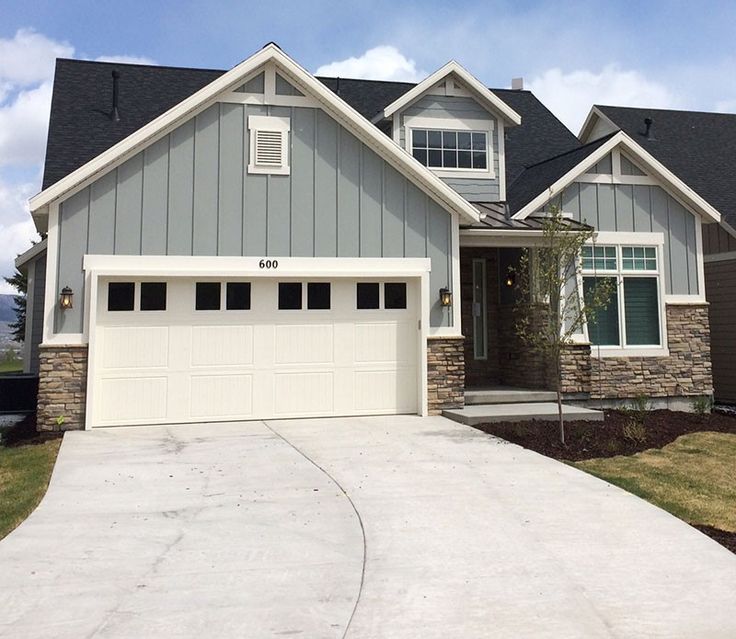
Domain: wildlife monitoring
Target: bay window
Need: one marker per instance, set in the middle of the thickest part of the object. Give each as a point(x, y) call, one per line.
point(632, 316)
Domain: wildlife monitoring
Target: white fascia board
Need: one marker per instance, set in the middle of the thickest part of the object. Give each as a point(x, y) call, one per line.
point(489, 99)
point(222, 266)
point(672, 183)
point(32, 252)
point(329, 101)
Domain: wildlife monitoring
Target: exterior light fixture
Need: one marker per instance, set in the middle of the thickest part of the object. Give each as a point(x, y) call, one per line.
point(65, 301)
point(445, 297)
point(510, 279)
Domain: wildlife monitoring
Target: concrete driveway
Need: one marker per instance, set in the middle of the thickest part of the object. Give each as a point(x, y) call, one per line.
point(371, 528)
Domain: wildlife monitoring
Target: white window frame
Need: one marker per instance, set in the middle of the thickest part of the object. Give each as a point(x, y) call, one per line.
point(269, 123)
point(620, 240)
point(453, 124)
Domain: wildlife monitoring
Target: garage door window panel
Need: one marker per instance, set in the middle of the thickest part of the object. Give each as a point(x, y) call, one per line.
point(237, 296)
point(120, 296)
point(290, 296)
point(368, 295)
point(153, 296)
point(394, 294)
point(318, 296)
point(207, 296)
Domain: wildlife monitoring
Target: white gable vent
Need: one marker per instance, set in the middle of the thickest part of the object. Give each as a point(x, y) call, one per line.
point(269, 144)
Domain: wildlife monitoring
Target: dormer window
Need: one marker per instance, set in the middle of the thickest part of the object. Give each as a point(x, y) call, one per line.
point(440, 149)
point(269, 144)
point(451, 147)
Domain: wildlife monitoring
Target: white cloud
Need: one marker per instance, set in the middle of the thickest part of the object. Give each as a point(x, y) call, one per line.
point(570, 95)
point(23, 125)
point(29, 57)
point(16, 227)
point(380, 63)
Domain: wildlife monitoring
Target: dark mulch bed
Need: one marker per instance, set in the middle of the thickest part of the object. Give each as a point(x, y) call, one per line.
point(622, 433)
point(24, 432)
point(723, 537)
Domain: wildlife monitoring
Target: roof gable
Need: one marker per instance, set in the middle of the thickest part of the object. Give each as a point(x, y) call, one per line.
point(537, 185)
point(453, 71)
point(226, 82)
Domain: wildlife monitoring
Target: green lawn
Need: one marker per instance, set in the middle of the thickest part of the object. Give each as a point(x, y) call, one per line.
point(694, 477)
point(24, 476)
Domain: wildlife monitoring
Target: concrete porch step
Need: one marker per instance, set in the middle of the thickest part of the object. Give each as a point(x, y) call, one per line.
point(519, 412)
point(507, 395)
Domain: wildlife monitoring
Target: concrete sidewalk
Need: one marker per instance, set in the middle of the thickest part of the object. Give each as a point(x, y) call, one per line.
point(371, 528)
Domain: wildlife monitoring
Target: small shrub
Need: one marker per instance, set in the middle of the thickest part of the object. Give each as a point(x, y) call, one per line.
point(702, 405)
point(640, 404)
point(635, 431)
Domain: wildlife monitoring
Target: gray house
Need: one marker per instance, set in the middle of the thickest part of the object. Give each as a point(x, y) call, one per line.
point(262, 243)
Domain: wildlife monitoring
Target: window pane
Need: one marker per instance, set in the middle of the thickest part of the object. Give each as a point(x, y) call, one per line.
point(463, 159)
point(120, 296)
point(318, 296)
point(421, 155)
point(449, 139)
point(237, 296)
point(641, 310)
point(449, 159)
point(603, 329)
point(207, 296)
point(463, 140)
point(394, 294)
point(435, 158)
point(419, 138)
point(153, 296)
point(479, 160)
point(479, 141)
point(434, 139)
point(290, 296)
point(367, 295)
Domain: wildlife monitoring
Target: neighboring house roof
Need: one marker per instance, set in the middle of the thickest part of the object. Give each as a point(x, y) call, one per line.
point(481, 93)
point(292, 72)
point(698, 147)
point(80, 127)
point(30, 254)
point(535, 179)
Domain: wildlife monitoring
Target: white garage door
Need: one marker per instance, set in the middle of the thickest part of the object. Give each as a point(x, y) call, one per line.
point(187, 350)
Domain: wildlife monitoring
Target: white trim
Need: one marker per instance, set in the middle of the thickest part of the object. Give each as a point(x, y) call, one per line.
point(453, 124)
point(699, 259)
point(456, 286)
point(331, 103)
point(32, 252)
point(235, 97)
point(629, 237)
point(691, 199)
point(501, 161)
point(720, 257)
point(423, 335)
point(628, 351)
point(50, 293)
point(685, 300)
point(590, 121)
point(487, 98)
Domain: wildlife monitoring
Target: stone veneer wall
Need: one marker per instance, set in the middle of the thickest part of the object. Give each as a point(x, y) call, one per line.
point(62, 388)
point(445, 373)
point(686, 372)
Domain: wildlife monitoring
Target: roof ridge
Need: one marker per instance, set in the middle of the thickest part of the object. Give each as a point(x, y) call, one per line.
point(140, 64)
point(629, 108)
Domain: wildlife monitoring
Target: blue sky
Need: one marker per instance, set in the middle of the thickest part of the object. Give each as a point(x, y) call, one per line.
point(573, 54)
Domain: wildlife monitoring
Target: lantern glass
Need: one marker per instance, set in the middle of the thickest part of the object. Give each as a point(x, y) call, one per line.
point(445, 297)
point(65, 301)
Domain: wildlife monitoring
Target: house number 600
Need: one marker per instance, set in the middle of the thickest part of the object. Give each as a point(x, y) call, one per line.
point(268, 264)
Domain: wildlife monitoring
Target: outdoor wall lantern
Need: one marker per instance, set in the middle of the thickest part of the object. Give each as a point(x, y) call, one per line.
point(65, 301)
point(445, 297)
point(510, 279)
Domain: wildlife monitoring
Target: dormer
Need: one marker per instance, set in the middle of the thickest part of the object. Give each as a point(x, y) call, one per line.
point(452, 124)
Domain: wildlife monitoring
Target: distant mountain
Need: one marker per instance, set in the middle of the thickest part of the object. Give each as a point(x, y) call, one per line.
point(7, 308)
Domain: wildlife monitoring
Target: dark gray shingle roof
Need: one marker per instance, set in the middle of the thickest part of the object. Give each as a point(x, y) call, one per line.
point(535, 179)
point(80, 127)
point(698, 147)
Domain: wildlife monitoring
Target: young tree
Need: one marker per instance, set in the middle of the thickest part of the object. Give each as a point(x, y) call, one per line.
point(550, 309)
point(20, 283)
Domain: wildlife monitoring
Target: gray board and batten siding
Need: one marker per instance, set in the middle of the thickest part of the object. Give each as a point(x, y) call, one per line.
point(189, 193)
point(459, 108)
point(641, 208)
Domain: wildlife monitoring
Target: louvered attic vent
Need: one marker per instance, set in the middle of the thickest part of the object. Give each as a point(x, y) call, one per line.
point(269, 144)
